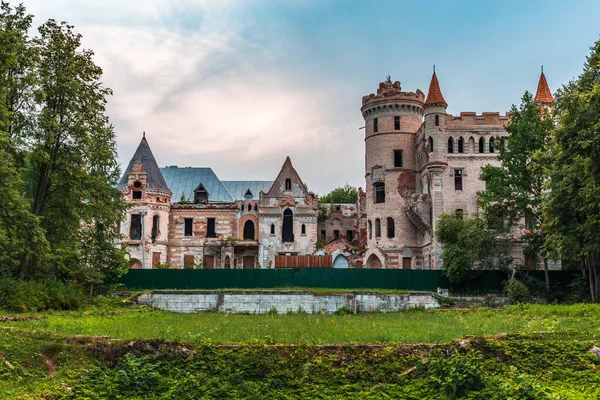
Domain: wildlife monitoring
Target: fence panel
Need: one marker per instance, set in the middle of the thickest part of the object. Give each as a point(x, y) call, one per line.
point(400, 279)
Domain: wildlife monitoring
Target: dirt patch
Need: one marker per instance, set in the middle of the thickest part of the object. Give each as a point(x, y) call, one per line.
point(19, 318)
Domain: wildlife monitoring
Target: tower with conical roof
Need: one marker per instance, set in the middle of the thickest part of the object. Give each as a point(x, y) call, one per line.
point(146, 224)
point(543, 96)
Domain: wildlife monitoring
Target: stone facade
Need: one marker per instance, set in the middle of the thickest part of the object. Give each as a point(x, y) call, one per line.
point(420, 162)
point(214, 224)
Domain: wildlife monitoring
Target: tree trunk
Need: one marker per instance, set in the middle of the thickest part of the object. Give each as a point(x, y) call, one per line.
point(547, 275)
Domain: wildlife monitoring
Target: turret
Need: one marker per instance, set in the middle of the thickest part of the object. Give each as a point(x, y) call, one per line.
point(543, 96)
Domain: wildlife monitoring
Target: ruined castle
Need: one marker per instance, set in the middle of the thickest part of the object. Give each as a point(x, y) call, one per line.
point(420, 162)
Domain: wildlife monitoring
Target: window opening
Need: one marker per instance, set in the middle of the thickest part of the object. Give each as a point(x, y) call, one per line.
point(481, 145)
point(461, 145)
point(188, 226)
point(458, 181)
point(211, 231)
point(135, 227)
point(288, 226)
point(391, 230)
point(200, 194)
point(137, 194)
point(272, 229)
point(154, 234)
point(398, 158)
point(430, 144)
point(249, 230)
point(303, 229)
point(397, 122)
point(375, 125)
point(288, 184)
point(377, 228)
point(450, 145)
point(349, 236)
point(437, 120)
point(379, 192)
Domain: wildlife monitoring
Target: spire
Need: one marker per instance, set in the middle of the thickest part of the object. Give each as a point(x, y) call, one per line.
point(434, 95)
point(144, 155)
point(543, 95)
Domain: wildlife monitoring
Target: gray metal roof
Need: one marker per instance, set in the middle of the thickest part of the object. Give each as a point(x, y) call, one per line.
point(186, 180)
point(238, 189)
point(144, 154)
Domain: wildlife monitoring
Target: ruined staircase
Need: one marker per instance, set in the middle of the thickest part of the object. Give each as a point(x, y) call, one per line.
point(412, 212)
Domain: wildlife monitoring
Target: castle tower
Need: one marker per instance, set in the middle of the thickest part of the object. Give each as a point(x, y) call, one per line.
point(437, 142)
point(392, 119)
point(144, 188)
point(543, 96)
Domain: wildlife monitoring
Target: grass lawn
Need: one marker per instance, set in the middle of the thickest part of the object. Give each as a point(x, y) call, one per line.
point(417, 326)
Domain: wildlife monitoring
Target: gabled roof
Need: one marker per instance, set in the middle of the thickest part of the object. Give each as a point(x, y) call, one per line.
point(186, 180)
point(434, 95)
point(543, 94)
point(287, 172)
point(145, 156)
point(238, 189)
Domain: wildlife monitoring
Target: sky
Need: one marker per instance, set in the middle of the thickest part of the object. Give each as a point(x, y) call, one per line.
point(239, 85)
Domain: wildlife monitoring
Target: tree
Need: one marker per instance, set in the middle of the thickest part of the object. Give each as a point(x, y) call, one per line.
point(346, 194)
point(572, 209)
point(467, 243)
point(72, 168)
point(515, 189)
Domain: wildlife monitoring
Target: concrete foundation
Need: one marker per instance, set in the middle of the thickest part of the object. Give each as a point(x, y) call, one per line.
point(261, 302)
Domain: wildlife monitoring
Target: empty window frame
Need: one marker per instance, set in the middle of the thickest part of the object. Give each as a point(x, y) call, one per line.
point(437, 120)
point(272, 229)
point(135, 227)
point(323, 234)
point(370, 224)
point(288, 226)
point(391, 229)
point(377, 228)
point(375, 125)
point(249, 230)
point(349, 236)
point(461, 145)
point(200, 194)
point(211, 227)
point(450, 144)
point(288, 184)
point(397, 123)
point(188, 225)
point(303, 229)
point(397, 158)
point(492, 149)
point(481, 145)
point(137, 194)
point(154, 232)
point(430, 144)
point(459, 213)
point(379, 192)
point(336, 234)
point(458, 179)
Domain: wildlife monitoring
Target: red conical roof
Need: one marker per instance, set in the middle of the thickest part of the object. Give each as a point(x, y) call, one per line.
point(434, 95)
point(543, 94)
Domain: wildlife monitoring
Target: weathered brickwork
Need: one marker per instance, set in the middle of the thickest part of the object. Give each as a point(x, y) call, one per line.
point(439, 171)
point(214, 226)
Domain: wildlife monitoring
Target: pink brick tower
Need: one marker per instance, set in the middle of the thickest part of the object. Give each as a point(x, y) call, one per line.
point(392, 119)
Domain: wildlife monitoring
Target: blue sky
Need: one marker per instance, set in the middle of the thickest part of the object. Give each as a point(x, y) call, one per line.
point(238, 85)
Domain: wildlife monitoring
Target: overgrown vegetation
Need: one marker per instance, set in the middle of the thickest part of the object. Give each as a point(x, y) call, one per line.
point(346, 194)
point(520, 366)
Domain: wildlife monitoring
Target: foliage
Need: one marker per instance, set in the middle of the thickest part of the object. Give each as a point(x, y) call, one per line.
point(516, 291)
point(542, 367)
point(453, 373)
point(467, 243)
point(572, 208)
point(35, 296)
point(324, 212)
point(347, 194)
point(58, 168)
point(515, 188)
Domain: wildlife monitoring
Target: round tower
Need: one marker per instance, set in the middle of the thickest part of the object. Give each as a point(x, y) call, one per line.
point(392, 119)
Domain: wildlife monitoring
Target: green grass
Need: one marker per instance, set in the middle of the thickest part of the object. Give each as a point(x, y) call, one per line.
point(416, 326)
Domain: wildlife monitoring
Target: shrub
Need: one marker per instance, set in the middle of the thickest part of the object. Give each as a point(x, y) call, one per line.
point(453, 373)
point(516, 291)
point(38, 295)
point(344, 310)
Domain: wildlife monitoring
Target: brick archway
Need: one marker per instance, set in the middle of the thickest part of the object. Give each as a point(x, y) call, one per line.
point(242, 222)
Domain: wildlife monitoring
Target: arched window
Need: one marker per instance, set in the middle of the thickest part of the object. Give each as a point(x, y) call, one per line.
point(303, 230)
point(288, 184)
point(256, 207)
point(492, 145)
point(370, 230)
point(377, 228)
point(450, 144)
point(155, 221)
point(481, 145)
point(379, 192)
point(288, 226)
point(461, 145)
point(249, 207)
point(227, 263)
point(272, 229)
point(249, 230)
point(391, 229)
point(430, 144)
